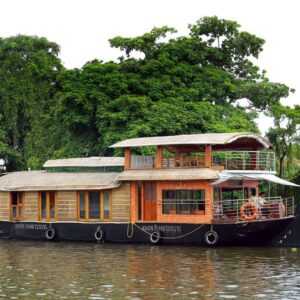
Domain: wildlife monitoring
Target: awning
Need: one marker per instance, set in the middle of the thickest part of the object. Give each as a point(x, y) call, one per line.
point(224, 176)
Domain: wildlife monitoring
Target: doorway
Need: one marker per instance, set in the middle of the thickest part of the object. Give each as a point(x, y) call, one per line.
point(149, 201)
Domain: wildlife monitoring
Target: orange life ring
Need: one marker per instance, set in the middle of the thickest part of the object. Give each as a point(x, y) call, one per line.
point(250, 208)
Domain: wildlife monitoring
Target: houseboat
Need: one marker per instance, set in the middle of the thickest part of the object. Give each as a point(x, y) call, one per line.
point(200, 189)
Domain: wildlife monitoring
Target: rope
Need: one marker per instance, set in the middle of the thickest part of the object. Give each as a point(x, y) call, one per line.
point(129, 223)
point(170, 237)
point(131, 234)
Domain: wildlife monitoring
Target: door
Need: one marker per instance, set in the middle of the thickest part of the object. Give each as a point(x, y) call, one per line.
point(149, 201)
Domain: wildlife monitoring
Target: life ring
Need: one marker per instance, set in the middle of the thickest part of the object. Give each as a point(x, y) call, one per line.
point(250, 207)
point(154, 237)
point(50, 233)
point(99, 235)
point(211, 237)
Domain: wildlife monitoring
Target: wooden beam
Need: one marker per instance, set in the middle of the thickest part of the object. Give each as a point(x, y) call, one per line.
point(159, 157)
point(127, 164)
point(208, 156)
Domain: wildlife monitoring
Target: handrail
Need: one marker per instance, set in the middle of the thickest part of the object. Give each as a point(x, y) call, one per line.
point(228, 160)
point(267, 208)
point(245, 160)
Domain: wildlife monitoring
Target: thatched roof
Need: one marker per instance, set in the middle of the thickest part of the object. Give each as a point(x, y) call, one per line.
point(169, 174)
point(98, 161)
point(42, 180)
point(193, 139)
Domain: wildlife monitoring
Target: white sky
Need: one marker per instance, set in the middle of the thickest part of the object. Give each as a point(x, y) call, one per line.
point(82, 28)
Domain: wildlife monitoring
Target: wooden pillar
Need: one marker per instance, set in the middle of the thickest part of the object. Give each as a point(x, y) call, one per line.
point(208, 156)
point(159, 153)
point(127, 164)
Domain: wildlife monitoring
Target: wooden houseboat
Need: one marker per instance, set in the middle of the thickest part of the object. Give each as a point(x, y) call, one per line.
point(196, 189)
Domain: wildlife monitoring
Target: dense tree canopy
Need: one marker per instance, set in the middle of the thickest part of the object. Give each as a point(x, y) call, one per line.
point(159, 86)
point(28, 70)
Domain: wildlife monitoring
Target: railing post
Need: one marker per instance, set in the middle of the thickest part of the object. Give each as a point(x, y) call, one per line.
point(244, 163)
point(127, 164)
point(208, 155)
point(159, 157)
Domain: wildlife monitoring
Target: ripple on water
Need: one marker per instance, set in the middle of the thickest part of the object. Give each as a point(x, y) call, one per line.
point(108, 271)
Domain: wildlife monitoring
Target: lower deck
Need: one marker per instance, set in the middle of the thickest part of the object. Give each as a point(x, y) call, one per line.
point(256, 233)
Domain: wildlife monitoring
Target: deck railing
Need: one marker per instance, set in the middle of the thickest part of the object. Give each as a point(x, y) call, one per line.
point(228, 160)
point(245, 210)
point(245, 160)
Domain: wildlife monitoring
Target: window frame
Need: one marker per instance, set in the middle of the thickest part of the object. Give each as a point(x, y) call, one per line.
point(86, 206)
point(192, 205)
point(48, 218)
point(20, 195)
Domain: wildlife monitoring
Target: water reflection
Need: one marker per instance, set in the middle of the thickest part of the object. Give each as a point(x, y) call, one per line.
point(38, 270)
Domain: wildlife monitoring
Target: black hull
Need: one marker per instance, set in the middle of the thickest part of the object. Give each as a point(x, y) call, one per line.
point(256, 233)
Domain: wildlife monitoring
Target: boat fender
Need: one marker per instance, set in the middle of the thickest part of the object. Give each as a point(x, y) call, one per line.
point(99, 235)
point(211, 238)
point(50, 233)
point(154, 237)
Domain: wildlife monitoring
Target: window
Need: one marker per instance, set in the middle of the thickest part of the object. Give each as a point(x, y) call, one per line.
point(47, 206)
point(183, 202)
point(16, 205)
point(94, 205)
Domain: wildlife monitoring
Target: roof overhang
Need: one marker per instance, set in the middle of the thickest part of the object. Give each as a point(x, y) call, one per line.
point(168, 174)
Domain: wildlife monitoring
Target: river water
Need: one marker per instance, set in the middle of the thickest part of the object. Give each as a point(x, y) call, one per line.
point(42, 270)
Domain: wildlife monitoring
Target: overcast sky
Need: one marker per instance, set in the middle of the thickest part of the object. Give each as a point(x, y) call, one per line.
point(82, 28)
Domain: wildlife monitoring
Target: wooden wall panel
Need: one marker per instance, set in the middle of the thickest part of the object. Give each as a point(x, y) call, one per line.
point(66, 202)
point(4, 206)
point(31, 206)
point(121, 203)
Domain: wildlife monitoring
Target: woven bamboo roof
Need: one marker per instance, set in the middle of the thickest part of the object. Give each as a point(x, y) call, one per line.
point(42, 180)
point(169, 174)
point(192, 139)
point(98, 161)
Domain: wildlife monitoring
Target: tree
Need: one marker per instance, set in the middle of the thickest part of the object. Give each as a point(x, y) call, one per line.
point(28, 70)
point(285, 133)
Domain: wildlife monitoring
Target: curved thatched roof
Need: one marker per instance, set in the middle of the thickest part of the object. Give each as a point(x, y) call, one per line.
point(97, 161)
point(193, 139)
point(42, 180)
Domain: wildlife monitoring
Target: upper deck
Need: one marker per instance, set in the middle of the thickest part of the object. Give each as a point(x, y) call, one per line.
point(221, 151)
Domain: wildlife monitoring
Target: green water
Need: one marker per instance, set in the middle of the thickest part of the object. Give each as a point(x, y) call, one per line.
point(40, 270)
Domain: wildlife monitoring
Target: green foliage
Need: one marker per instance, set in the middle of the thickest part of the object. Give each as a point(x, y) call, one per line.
point(188, 84)
point(28, 70)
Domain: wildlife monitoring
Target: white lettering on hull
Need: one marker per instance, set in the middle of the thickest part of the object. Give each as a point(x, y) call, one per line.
point(26, 226)
point(161, 228)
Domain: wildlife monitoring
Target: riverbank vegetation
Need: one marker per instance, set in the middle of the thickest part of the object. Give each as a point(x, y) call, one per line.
point(161, 84)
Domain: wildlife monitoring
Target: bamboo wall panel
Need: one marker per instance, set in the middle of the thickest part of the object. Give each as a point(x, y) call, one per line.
point(31, 206)
point(66, 206)
point(4, 206)
point(121, 203)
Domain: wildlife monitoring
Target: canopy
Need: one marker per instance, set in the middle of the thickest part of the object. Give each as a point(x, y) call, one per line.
point(224, 176)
